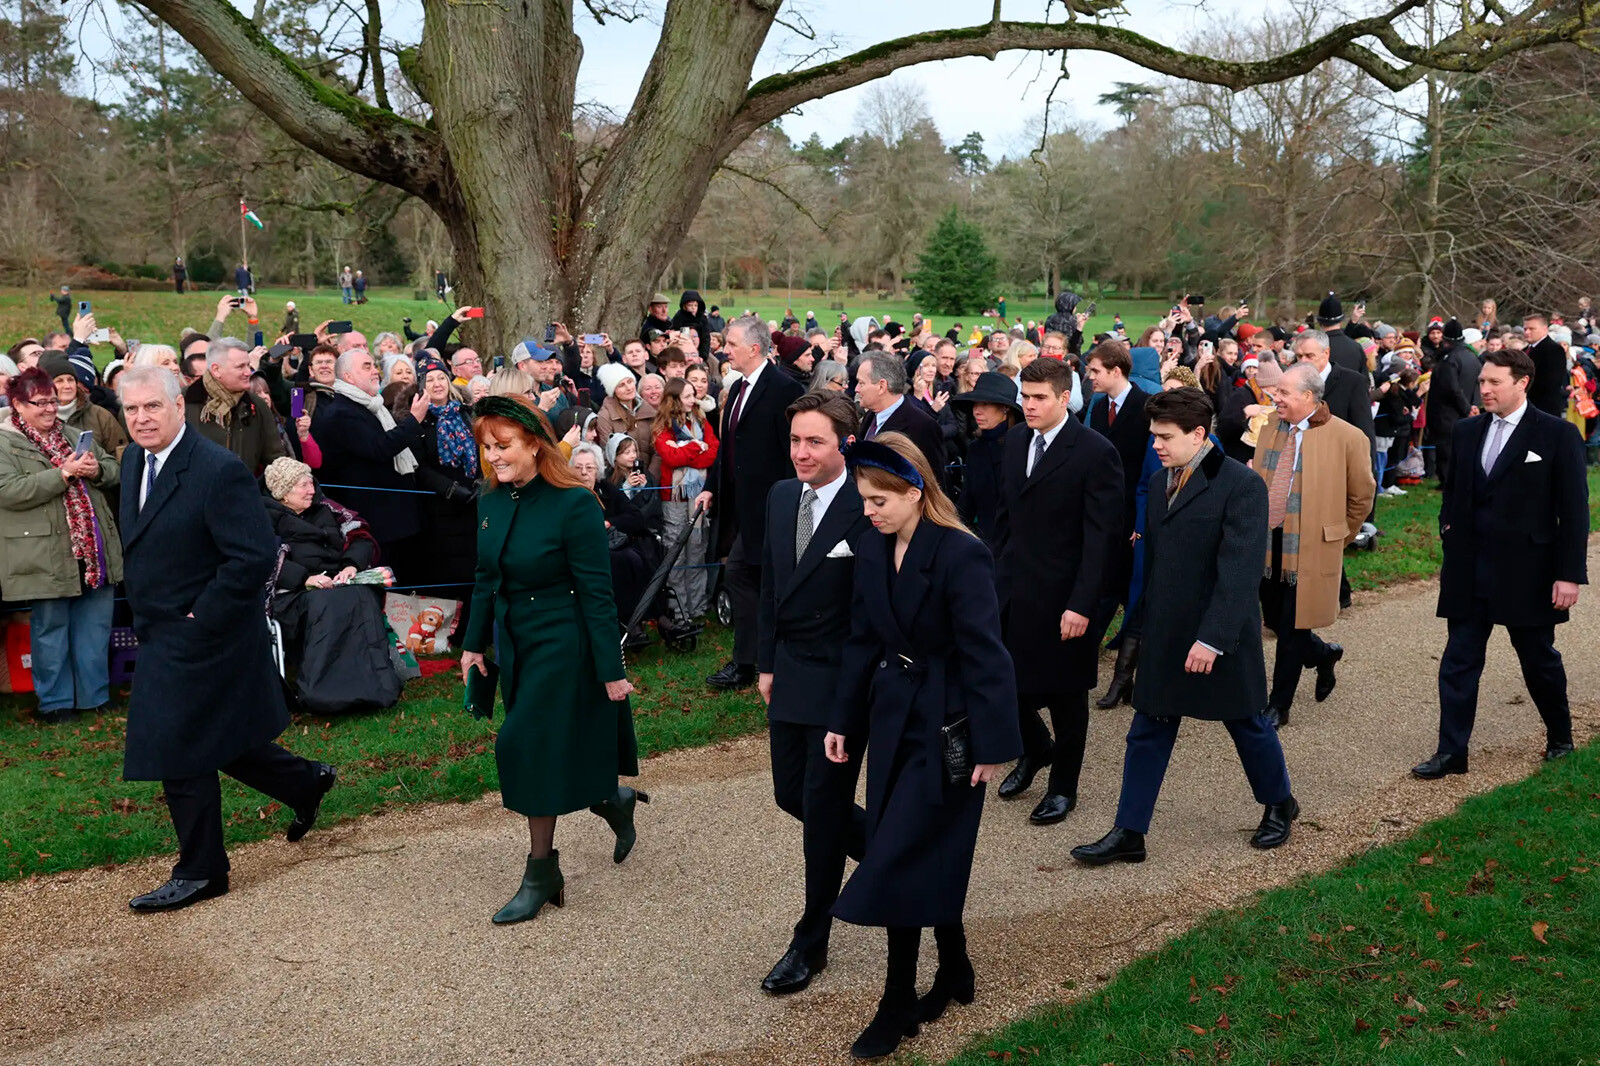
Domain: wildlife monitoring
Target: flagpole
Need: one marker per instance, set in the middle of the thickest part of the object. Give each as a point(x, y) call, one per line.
point(244, 247)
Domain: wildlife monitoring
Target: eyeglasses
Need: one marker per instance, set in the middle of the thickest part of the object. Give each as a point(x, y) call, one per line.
point(41, 403)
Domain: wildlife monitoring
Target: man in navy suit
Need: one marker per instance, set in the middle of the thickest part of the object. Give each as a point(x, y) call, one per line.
point(198, 551)
point(808, 561)
point(1122, 421)
point(1514, 524)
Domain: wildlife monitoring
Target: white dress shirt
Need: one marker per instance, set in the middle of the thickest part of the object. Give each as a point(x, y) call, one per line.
point(750, 385)
point(1049, 436)
point(1511, 420)
point(160, 460)
point(825, 495)
point(1118, 400)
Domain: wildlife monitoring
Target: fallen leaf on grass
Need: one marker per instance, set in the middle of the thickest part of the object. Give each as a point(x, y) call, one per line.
point(1426, 860)
point(1362, 1026)
point(1222, 1022)
point(1539, 930)
point(1196, 1030)
point(1450, 983)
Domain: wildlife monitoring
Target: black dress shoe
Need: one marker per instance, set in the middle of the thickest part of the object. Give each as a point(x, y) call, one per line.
point(896, 1019)
point(1440, 765)
point(178, 893)
point(1557, 751)
point(306, 817)
point(58, 717)
point(1119, 845)
point(1275, 718)
point(1052, 809)
point(1020, 779)
point(1325, 678)
point(794, 972)
point(732, 676)
point(1275, 824)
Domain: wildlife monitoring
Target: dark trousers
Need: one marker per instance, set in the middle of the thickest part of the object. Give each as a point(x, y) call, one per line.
point(1150, 743)
point(1443, 448)
point(1119, 573)
point(1069, 721)
point(742, 575)
point(822, 795)
point(1461, 667)
point(195, 804)
point(1299, 650)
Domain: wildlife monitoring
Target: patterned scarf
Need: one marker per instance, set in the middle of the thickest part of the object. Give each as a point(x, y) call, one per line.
point(686, 479)
point(1291, 515)
point(457, 449)
point(81, 524)
point(220, 402)
point(1178, 477)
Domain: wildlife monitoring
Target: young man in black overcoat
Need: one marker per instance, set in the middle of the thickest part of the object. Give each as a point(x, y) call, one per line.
point(1199, 622)
point(1058, 528)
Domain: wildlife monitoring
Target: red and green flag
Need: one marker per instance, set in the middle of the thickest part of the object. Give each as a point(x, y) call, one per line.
point(250, 216)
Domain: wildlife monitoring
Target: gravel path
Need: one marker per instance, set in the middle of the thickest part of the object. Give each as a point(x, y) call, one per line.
point(371, 943)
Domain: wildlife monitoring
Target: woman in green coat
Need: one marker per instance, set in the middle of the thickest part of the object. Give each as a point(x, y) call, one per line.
point(544, 588)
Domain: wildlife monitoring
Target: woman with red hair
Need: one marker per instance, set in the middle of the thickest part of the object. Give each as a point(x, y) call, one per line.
point(543, 593)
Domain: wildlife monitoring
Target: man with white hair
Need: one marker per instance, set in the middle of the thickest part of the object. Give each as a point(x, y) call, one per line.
point(207, 698)
point(1318, 471)
point(363, 446)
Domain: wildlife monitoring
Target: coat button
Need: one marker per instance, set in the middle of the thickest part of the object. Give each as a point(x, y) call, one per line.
point(883, 665)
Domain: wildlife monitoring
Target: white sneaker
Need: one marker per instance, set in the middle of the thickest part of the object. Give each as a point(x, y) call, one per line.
point(1395, 490)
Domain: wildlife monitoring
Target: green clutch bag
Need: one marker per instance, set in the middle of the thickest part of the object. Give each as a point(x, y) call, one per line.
point(481, 688)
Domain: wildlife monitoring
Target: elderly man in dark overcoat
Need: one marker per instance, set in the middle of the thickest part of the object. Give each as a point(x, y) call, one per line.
point(198, 553)
point(1200, 625)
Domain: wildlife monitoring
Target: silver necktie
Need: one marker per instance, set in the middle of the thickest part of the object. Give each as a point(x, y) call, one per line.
point(802, 526)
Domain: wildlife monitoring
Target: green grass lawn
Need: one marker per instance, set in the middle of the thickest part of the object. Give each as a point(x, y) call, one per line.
point(1477, 940)
point(161, 316)
point(64, 805)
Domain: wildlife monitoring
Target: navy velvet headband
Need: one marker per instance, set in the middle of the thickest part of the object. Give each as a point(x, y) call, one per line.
point(883, 457)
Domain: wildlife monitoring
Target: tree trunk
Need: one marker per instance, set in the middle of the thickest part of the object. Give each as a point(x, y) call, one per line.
point(174, 201)
point(1289, 247)
point(1429, 259)
point(310, 261)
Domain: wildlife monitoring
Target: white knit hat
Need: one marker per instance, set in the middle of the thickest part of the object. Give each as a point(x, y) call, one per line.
point(611, 375)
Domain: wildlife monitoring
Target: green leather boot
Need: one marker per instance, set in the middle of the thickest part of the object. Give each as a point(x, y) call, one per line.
point(541, 883)
point(618, 813)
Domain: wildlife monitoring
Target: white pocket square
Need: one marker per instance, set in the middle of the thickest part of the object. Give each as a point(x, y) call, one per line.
point(840, 550)
point(1533, 457)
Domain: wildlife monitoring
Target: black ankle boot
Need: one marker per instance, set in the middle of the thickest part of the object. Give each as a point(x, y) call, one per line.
point(896, 1019)
point(1121, 688)
point(955, 980)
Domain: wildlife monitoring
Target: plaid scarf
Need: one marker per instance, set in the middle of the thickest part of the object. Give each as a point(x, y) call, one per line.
point(1178, 477)
point(220, 401)
point(1290, 563)
point(81, 524)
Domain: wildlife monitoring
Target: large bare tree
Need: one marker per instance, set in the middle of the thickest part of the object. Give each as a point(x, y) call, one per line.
point(537, 233)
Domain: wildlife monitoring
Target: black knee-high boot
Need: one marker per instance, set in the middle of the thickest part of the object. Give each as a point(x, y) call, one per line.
point(897, 1010)
point(955, 979)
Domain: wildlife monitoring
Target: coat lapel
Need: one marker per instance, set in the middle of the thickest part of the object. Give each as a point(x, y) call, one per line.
point(168, 477)
point(1514, 450)
point(781, 528)
point(836, 522)
point(911, 583)
point(494, 524)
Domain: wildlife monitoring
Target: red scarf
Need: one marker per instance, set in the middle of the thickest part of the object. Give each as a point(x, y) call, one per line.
point(80, 509)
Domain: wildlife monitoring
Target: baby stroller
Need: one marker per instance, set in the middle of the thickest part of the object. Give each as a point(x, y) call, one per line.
point(682, 633)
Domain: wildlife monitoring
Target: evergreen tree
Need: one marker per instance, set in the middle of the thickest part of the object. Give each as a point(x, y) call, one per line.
point(956, 273)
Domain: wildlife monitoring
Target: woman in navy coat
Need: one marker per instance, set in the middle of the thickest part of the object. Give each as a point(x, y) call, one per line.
point(924, 652)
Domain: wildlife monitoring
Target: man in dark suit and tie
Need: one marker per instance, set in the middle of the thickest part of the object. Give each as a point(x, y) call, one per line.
point(754, 456)
point(207, 696)
point(1514, 524)
point(881, 387)
point(1121, 420)
point(807, 577)
point(1059, 524)
point(1548, 392)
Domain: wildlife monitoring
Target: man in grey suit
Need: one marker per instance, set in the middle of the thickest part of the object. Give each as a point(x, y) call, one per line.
point(814, 523)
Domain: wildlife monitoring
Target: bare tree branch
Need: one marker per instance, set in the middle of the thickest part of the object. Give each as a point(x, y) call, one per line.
point(1471, 49)
point(355, 135)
